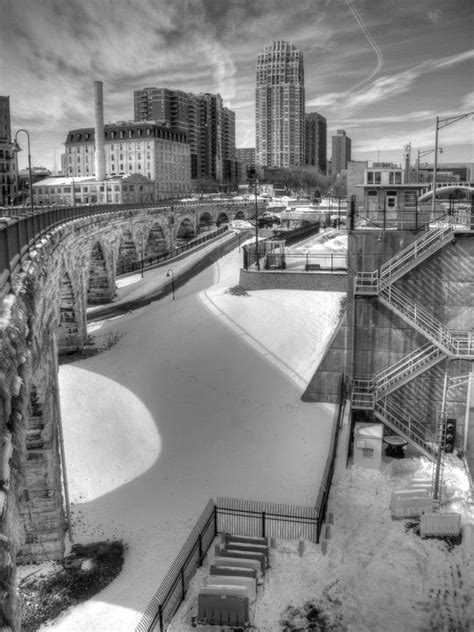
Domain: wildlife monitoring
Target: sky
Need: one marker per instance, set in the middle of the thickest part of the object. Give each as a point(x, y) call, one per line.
point(381, 70)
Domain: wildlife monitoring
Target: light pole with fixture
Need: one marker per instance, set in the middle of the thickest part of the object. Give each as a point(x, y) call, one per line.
point(17, 148)
point(442, 123)
point(423, 152)
point(170, 274)
point(252, 176)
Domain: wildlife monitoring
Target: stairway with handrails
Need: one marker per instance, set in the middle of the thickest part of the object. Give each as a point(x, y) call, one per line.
point(373, 393)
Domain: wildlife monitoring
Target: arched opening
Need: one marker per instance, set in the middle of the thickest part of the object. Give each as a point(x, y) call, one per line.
point(205, 223)
point(185, 232)
point(69, 337)
point(239, 215)
point(222, 219)
point(127, 255)
point(98, 289)
point(156, 242)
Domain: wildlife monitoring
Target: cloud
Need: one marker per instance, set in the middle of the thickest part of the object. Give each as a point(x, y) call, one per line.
point(386, 86)
point(434, 16)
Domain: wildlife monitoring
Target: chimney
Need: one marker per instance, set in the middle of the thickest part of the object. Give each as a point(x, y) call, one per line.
point(99, 132)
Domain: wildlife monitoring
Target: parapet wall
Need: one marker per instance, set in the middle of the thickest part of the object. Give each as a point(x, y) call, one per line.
point(281, 280)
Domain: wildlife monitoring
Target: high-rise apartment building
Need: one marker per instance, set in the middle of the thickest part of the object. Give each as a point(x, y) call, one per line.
point(209, 126)
point(8, 160)
point(316, 141)
point(280, 106)
point(341, 151)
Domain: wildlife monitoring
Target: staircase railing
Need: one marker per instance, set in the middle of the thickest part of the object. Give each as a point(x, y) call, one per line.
point(460, 344)
point(409, 426)
point(406, 367)
point(441, 231)
point(420, 249)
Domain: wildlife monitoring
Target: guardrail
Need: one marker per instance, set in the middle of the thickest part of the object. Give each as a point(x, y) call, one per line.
point(20, 233)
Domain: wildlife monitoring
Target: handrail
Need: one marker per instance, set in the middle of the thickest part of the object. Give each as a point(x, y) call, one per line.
point(372, 282)
point(412, 428)
point(406, 365)
point(461, 346)
point(19, 234)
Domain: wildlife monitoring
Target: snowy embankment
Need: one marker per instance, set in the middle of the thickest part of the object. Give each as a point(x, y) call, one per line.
point(378, 575)
point(178, 411)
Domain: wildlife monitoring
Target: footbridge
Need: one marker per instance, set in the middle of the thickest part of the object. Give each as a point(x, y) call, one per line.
point(441, 187)
point(54, 263)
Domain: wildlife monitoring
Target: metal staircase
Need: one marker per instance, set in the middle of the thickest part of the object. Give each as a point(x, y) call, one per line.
point(371, 393)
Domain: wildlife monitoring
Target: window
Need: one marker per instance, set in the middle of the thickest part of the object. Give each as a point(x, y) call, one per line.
point(368, 453)
point(377, 177)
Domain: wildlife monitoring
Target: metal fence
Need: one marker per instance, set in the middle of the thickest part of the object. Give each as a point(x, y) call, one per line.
point(243, 517)
point(326, 481)
point(331, 262)
point(289, 236)
point(164, 256)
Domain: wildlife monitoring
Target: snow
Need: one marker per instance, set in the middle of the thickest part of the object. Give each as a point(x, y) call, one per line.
point(378, 575)
point(200, 397)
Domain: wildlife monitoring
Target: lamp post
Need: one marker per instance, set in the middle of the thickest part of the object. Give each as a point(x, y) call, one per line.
point(252, 175)
point(423, 152)
point(442, 123)
point(170, 274)
point(17, 148)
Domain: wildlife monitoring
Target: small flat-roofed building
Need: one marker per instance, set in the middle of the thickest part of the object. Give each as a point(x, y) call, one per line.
point(69, 191)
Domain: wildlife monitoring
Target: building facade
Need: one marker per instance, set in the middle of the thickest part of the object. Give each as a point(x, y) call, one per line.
point(209, 126)
point(341, 151)
point(316, 141)
point(71, 191)
point(156, 152)
point(280, 106)
point(8, 158)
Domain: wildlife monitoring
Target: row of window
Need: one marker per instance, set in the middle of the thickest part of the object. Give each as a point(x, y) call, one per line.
point(375, 177)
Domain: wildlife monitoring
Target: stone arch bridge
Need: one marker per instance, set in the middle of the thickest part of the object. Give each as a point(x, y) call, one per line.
point(53, 264)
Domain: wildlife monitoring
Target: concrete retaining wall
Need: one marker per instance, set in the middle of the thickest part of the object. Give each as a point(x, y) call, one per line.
point(281, 280)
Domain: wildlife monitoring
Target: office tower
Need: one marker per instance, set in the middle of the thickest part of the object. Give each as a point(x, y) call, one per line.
point(8, 160)
point(210, 127)
point(341, 151)
point(316, 141)
point(280, 121)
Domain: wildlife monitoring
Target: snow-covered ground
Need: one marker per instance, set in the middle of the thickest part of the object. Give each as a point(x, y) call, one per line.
point(199, 397)
point(378, 575)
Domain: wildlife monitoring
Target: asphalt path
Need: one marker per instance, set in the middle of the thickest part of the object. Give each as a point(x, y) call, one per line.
point(185, 267)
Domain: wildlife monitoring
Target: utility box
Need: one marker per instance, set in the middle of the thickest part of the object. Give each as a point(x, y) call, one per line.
point(368, 445)
point(223, 605)
point(448, 524)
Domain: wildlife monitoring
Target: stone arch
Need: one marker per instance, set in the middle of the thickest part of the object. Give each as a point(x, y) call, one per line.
point(205, 222)
point(127, 253)
point(69, 336)
point(156, 243)
point(99, 289)
point(239, 215)
point(222, 219)
point(185, 231)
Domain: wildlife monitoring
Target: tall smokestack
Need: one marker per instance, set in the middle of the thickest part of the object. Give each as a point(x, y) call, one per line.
point(99, 132)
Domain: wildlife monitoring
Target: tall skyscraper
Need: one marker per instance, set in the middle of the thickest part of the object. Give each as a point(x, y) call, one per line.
point(341, 151)
point(210, 127)
point(316, 141)
point(280, 106)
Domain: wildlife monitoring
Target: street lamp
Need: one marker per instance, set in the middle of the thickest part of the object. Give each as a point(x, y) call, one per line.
point(170, 274)
point(252, 175)
point(441, 123)
point(423, 152)
point(17, 148)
